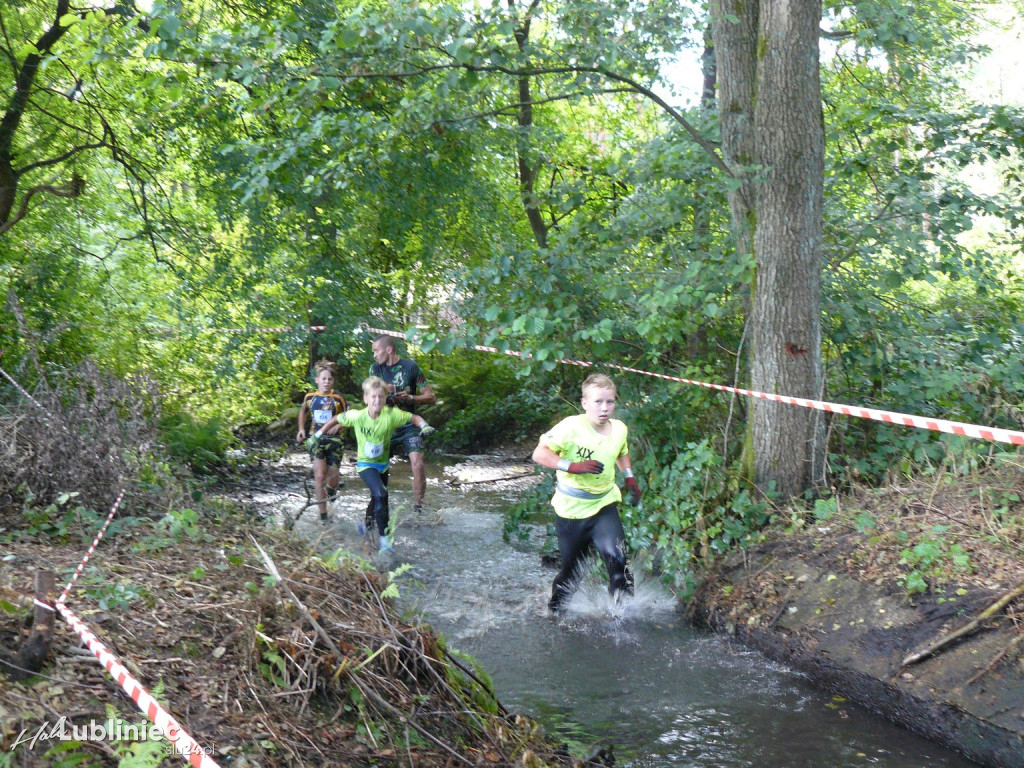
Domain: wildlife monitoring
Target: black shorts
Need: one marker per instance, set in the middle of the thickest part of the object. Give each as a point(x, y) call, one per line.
point(330, 450)
point(407, 438)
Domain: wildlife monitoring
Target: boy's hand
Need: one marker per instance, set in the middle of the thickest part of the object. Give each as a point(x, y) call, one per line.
point(588, 467)
point(426, 430)
point(634, 491)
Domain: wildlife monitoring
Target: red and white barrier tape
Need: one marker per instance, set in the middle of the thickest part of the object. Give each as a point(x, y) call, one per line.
point(92, 548)
point(239, 330)
point(995, 434)
point(22, 390)
point(183, 744)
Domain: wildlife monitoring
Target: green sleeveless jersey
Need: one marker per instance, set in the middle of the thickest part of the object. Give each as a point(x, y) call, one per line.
point(373, 436)
point(575, 439)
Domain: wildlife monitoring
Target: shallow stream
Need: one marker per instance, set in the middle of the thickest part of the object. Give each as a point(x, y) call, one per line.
point(635, 676)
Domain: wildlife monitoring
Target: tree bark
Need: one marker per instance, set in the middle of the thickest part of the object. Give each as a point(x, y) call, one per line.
point(33, 652)
point(528, 166)
point(734, 34)
point(770, 119)
point(788, 441)
point(17, 105)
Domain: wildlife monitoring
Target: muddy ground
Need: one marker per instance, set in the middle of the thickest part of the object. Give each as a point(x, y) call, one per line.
point(830, 598)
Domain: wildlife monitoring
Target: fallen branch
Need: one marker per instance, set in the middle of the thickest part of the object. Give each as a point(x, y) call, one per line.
point(490, 479)
point(298, 604)
point(988, 613)
point(995, 660)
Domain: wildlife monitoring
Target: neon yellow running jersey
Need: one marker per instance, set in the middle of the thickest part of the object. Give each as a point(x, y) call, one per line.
point(575, 439)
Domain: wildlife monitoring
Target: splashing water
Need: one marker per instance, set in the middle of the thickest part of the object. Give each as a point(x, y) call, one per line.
point(632, 673)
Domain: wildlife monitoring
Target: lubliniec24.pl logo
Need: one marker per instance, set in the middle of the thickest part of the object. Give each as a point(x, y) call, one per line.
point(110, 731)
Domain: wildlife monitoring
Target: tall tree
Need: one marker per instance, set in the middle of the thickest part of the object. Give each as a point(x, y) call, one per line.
point(52, 118)
point(771, 118)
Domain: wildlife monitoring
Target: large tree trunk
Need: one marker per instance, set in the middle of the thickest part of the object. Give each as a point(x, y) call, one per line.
point(786, 314)
point(770, 115)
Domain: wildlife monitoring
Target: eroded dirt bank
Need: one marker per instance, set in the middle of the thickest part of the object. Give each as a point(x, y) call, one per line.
point(831, 600)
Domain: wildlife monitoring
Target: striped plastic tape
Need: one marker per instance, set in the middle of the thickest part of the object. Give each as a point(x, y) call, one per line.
point(995, 434)
point(184, 744)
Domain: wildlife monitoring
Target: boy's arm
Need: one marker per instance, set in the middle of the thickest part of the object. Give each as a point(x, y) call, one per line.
point(327, 427)
point(333, 427)
point(548, 458)
point(419, 421)
point(302, 423)
point(626, 465)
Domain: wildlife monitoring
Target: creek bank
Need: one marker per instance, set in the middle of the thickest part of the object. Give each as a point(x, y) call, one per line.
point(830, 601)
point(318, 670)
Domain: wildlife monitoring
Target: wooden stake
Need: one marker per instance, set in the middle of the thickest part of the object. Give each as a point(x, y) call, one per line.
point(36, 648)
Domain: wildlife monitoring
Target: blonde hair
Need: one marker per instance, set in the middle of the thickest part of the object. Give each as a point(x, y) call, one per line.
point(373, 383)
point(323, 364)
point(598, 381)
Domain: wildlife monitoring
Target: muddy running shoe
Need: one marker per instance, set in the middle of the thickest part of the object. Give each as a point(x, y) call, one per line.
point(324, 517)
point(332, 493)
point(559, 597)
point(417, 510)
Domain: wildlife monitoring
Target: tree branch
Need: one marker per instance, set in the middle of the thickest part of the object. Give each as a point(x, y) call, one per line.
point(72, 189)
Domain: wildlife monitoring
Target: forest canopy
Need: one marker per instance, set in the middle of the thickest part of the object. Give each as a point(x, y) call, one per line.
point(514, 175)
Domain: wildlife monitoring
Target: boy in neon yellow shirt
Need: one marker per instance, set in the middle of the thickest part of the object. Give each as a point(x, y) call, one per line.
point(373, 428)
point(585, 449)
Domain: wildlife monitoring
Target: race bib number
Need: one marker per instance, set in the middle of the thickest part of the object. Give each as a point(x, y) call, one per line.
point(374, 450)
point(322, 417)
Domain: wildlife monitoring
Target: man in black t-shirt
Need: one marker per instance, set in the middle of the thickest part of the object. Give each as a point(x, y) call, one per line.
point(408, 387)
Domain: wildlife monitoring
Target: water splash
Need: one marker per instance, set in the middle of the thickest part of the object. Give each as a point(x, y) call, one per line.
point(650, 600)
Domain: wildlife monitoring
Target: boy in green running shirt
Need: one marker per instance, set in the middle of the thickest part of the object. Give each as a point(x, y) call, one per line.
point(585, 449)
point(373, 428)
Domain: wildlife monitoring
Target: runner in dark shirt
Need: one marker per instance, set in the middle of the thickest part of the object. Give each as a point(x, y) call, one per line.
point(408, 388)
point(320, 407)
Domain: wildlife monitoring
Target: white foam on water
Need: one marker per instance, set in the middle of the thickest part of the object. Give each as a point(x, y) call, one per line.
point(650, 600)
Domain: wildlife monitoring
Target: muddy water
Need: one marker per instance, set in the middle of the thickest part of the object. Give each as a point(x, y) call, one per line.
point(635, 675)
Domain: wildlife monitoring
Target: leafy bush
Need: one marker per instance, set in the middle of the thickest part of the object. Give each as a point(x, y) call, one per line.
point(482, 403)
point(692, 509)
point(202, 445)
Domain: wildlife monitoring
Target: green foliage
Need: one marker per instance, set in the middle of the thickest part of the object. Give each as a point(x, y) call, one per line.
point(531, 507)
point(477, 690)
point(933, 560)
point(484, 404)
point(67, 754)
point(199, 444)
point(824, 509)
point(56, 521)
point(243, 183)
point(391, 590)
point(111, 595)
point(181, 524)
point(692, 510)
